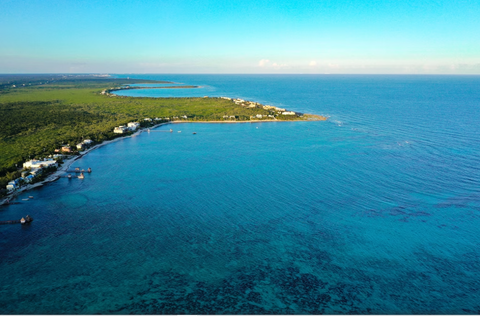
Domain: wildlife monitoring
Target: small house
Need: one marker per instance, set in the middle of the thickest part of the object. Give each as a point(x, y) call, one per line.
point(133, 126)
point(29, 178)
point(120, 129)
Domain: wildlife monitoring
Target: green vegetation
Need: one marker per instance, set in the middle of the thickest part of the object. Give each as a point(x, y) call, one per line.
point(36, 119)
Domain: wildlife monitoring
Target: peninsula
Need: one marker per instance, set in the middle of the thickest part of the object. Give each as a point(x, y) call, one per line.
point(52, 116)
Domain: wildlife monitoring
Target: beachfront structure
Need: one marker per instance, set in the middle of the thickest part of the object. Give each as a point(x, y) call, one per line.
point(13, 185)
point(120, 129)
point(184, 117)
point(147, 119)
point(133, 126)
point(28, 178)
point(259, 115)
point(36, 172)
point(67, 149)
point(39, 164)
point(80, 146)
point(288, 113)
point(88, 142)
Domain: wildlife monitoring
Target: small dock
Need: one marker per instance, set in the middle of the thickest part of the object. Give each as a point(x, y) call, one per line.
point(9, 222)
point(78, 170)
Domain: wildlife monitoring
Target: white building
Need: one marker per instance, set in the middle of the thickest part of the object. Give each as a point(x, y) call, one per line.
point(88, 142)
point(259, 115)
point(184, 117)
point(29, 178)
point(133, 126)
point(147, 119)
point(120, 129)
point(288, 113)
point(39, 164)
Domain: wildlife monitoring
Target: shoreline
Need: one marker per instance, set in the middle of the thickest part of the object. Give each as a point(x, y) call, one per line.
point(61, 170)
point(66, 164)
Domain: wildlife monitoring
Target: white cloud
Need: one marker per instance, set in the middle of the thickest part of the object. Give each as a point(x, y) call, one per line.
point(313, 63)
point(263, 62)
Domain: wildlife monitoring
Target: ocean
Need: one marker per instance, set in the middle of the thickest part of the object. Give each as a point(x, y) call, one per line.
point(375, 211)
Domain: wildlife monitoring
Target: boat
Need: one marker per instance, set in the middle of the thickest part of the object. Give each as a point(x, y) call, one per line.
point(25, 199)
point(30, 197)
point(179, 131)
point(89, 170)
point(69, 176)
point(81, 176)
point(25, 220)
point(194, 133)
point(171, 130)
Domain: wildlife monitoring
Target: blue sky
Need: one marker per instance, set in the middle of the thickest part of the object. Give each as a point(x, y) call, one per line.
point(217, 36)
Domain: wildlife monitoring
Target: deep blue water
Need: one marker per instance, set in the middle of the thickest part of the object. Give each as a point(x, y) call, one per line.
point(376, 210)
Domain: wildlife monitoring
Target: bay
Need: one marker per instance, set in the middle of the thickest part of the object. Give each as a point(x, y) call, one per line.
point(374, 211)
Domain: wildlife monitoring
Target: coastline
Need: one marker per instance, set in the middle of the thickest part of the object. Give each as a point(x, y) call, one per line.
point(66, 165)
point(60, 171)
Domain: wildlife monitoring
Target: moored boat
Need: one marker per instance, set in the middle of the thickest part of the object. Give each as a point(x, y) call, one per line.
point(81, 176)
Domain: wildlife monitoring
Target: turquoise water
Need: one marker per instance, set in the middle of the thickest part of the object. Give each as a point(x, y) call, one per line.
point(374, 211)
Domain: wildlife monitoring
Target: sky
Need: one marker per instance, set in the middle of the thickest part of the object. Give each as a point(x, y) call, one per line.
point(229, 36)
